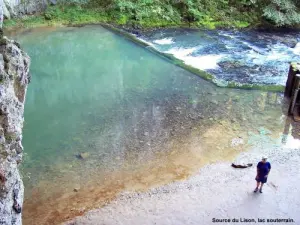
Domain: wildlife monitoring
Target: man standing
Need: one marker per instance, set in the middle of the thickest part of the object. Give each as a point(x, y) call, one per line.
point(263, 169)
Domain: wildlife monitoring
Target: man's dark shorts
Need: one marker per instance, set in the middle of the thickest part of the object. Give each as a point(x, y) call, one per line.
point(261, 179)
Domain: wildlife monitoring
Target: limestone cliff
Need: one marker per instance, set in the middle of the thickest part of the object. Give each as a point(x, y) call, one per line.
point(13, 8)
point(14, 78)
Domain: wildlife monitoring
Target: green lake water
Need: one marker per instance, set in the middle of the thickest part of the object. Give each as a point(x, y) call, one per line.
point(96, 92)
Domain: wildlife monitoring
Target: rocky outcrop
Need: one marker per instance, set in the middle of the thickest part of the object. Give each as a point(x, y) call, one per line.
point(13, 8)
point(14, 78)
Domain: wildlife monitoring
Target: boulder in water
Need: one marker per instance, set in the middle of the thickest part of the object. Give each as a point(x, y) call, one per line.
point(76, 189)
point(287, 40)
point(230, 64)
point(290, 42)
point(83, 155)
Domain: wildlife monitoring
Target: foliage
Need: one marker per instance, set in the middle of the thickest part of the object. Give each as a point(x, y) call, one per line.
point(207, 13)
point(157, 13)
point(28, 21)
point(60, 14)
point(73, 14)
point(282, 12)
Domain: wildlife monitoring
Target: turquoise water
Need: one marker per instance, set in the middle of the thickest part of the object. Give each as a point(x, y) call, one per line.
point(95, 92)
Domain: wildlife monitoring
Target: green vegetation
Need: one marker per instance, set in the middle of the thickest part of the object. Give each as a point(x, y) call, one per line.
point(59, 15)
point(195, 13)
point(161, 13)
point(10, 137)
point(282, 12)
point(30, 21)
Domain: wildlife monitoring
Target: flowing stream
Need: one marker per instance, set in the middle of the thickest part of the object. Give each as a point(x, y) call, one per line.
point(104, 115)
point(249, 57)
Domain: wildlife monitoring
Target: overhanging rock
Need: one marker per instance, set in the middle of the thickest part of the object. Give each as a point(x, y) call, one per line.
point(14, 78)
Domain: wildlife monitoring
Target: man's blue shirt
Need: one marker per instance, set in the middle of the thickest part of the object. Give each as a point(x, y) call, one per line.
point(263, 168)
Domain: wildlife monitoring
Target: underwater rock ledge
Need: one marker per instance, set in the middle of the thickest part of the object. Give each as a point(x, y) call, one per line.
point(14, 78)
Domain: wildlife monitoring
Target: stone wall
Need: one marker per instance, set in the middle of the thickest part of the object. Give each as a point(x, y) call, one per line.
point(14, 78)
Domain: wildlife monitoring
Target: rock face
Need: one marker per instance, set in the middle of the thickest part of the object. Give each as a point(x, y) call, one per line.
point(13, 8)
point(14, 78)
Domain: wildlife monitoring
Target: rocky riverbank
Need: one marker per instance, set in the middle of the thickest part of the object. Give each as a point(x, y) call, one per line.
point(14, 78)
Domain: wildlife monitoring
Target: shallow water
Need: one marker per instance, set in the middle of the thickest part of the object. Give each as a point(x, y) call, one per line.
point(247, 57)
point(140, 121)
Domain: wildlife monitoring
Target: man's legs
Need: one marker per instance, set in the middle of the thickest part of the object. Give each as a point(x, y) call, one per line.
point(257, 186)
point(260, 190)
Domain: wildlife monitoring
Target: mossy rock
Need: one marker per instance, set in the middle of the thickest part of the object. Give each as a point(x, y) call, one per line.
point(10, 137)
point(3, 41)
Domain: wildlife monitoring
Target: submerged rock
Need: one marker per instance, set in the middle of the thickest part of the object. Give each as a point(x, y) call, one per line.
point(14, 74)
point(289, 41)
point(83, 155)
point(76, 189)
point(230, 64)
point(237, 141)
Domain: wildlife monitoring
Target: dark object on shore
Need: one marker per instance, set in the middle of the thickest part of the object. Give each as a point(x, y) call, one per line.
point(241, 166)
